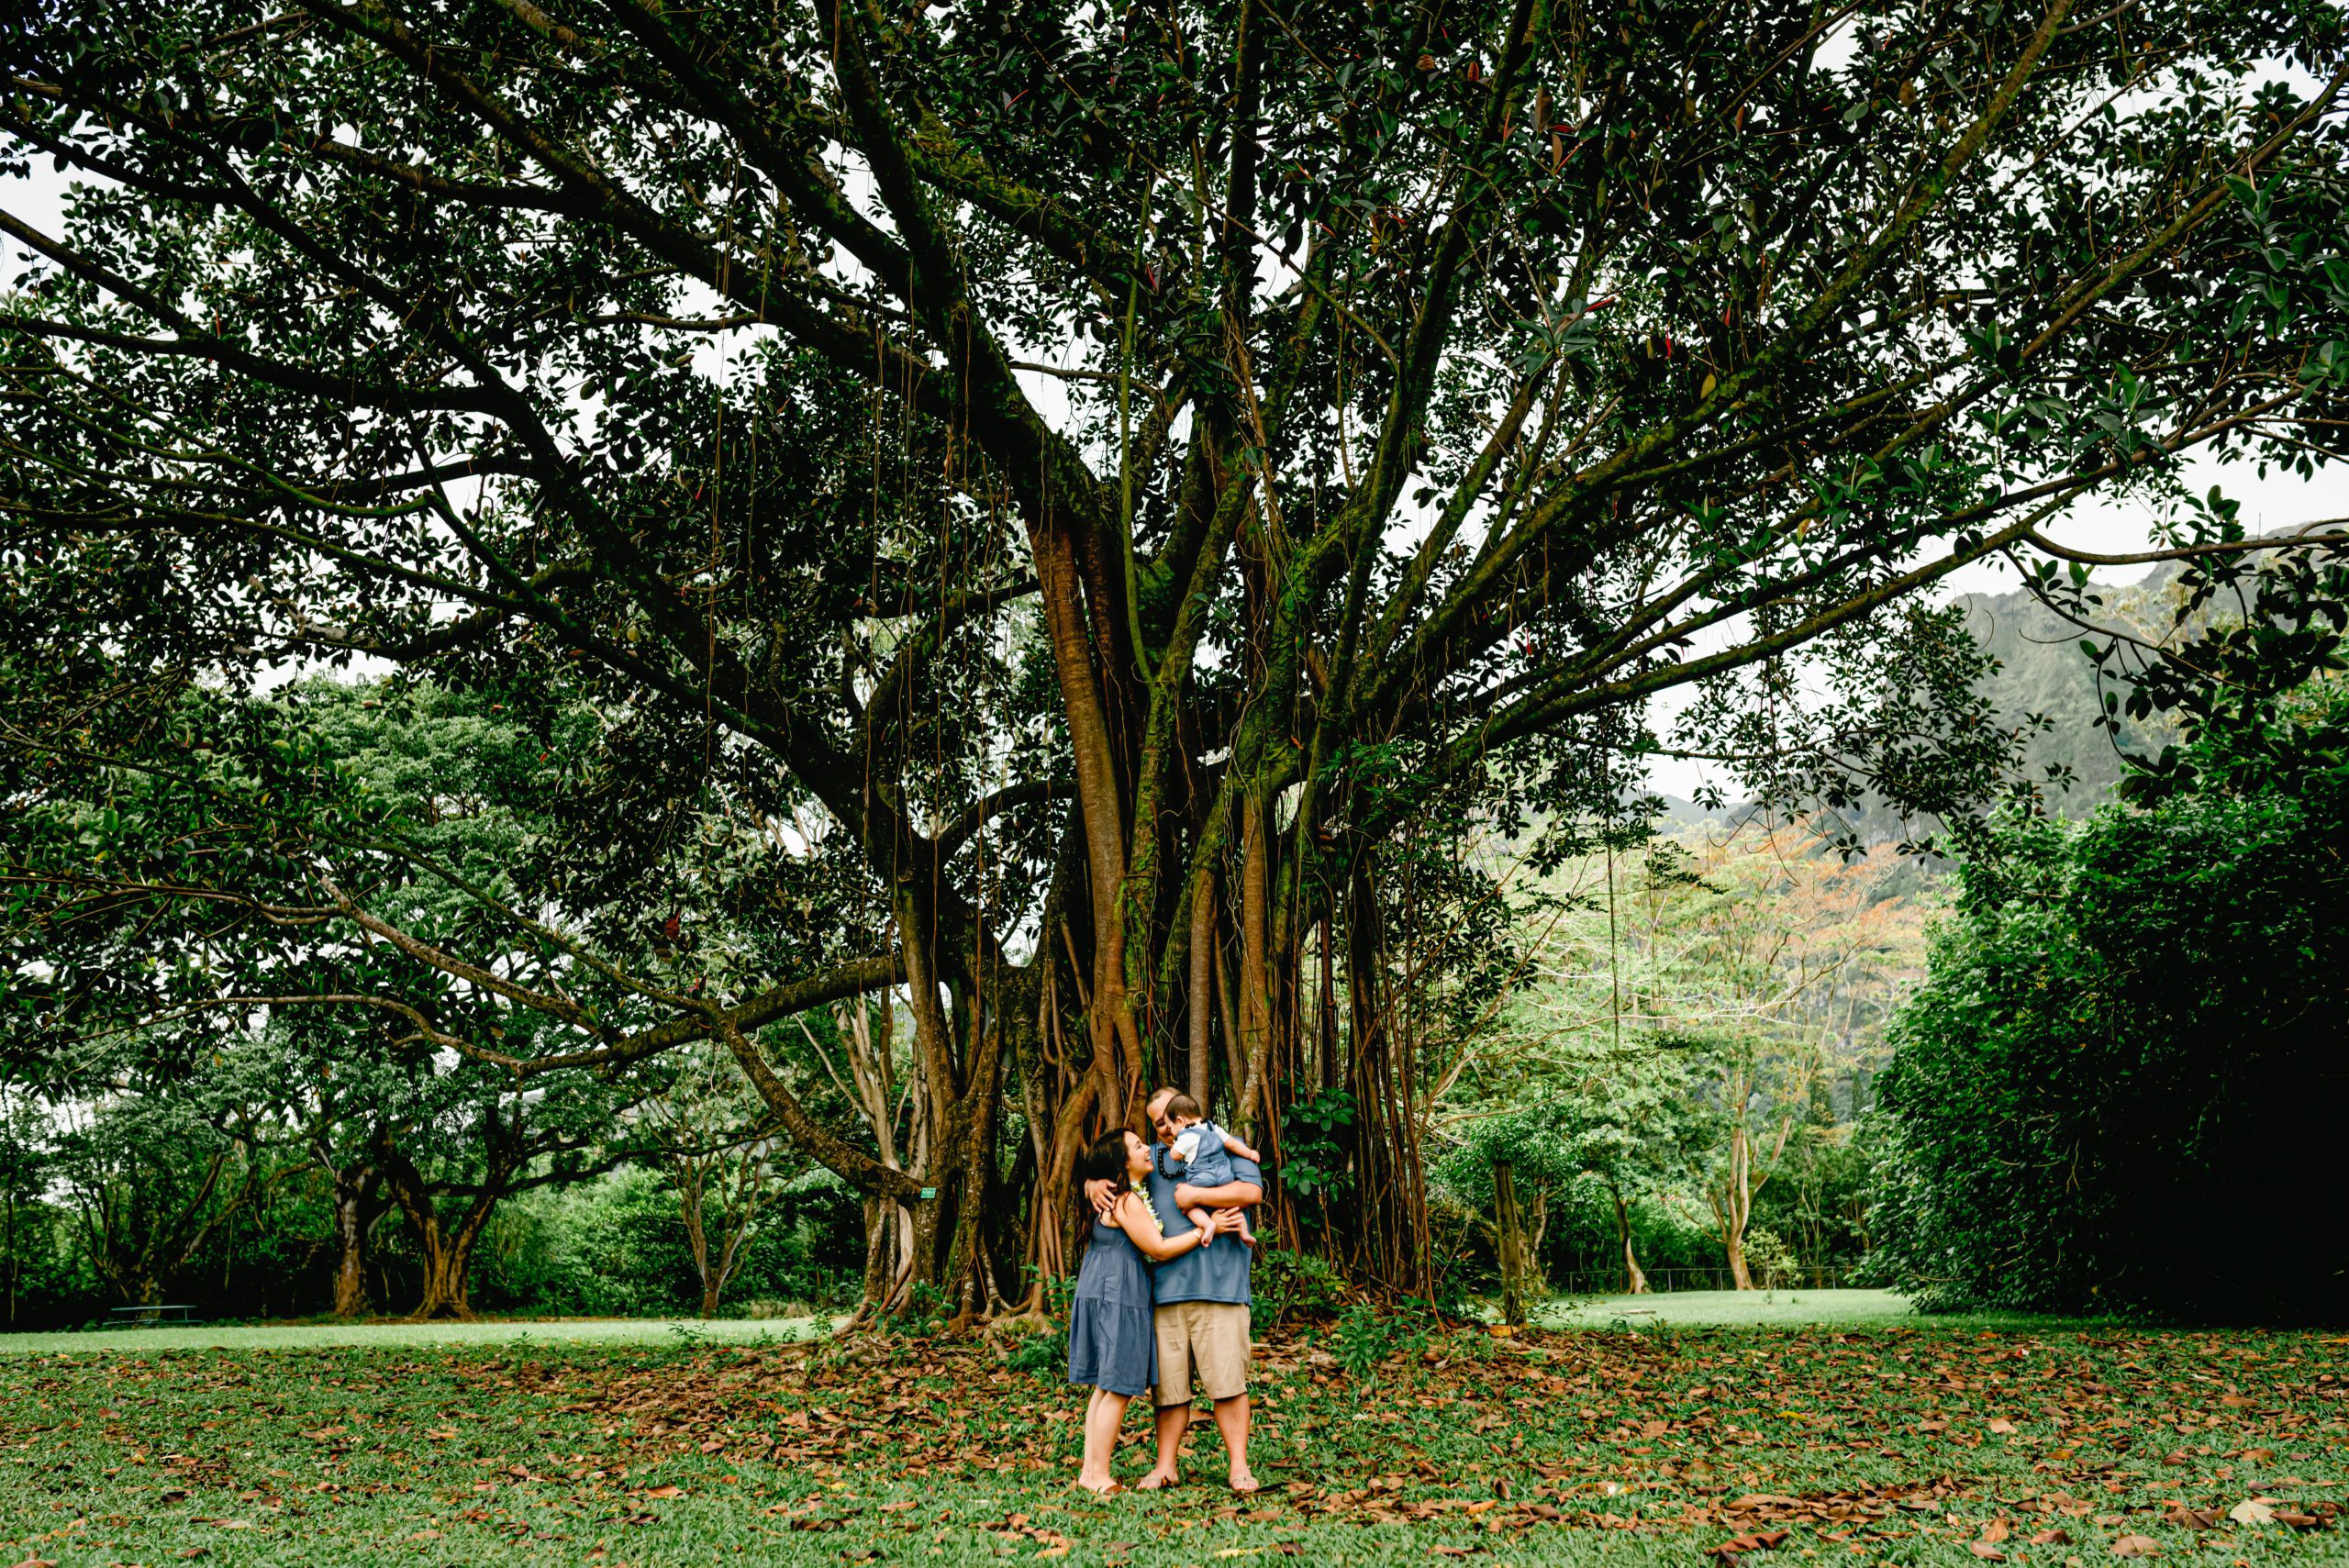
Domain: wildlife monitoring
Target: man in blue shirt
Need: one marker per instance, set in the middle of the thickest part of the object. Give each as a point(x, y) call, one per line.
point(1200, 1307)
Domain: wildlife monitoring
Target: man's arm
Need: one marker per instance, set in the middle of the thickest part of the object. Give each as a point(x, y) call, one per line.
point(1232, 1194)
point(1102, 1195)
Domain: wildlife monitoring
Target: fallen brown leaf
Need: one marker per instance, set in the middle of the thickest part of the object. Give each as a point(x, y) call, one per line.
point(1738, 1545)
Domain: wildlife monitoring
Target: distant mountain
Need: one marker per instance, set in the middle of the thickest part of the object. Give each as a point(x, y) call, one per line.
point(1681, 814)
point(2042, 671)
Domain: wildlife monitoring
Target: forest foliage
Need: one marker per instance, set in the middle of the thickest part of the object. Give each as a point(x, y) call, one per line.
point(2125, 1062)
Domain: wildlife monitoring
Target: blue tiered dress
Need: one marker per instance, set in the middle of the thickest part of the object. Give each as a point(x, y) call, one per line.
point(1111, 1343)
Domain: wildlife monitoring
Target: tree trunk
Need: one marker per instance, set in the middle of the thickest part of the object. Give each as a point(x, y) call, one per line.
point(1740, 1277)
point(1732, 1200)
point(1235, 1046)
point(692, 1178)
point(352, 1188)
point(1203, 943)
point(445, 1286)
point(1325, 1031)
point(887, 1261)
point(1635, 1279)
point(447, 1253)
point(889, 1258)
point(1250, 1105)
point(1099, 797)
point(1509, 1228)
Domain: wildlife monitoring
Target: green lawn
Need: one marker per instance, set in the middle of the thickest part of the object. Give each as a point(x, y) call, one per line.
point(1710, 1308)
point(1728, 1308)
point(397, 1335)
point(1911, 1444)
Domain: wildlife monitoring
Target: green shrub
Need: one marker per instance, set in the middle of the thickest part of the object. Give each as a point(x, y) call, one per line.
point(1040, 1354)
point(1366, 1336)
point(1315, 1136)
point(1286, 1286)
point(614, 1247)
point(1768, 1258)
point(2119, 1087)
point(1363, 1339)
point(48, 1281)
point(923, 1314)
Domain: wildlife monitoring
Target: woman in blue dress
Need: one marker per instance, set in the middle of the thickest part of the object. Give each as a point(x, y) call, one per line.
point(1112, 1345)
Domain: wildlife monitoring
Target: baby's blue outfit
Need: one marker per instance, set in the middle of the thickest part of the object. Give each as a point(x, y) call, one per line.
point(1211, 1165)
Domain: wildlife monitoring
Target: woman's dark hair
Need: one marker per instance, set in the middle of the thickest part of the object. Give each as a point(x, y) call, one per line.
point(1106, 1161)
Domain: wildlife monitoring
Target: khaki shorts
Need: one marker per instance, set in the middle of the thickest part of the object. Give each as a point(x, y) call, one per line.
point(1201, 1343)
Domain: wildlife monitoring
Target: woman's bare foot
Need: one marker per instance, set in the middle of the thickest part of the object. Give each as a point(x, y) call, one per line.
point(1157, 1481)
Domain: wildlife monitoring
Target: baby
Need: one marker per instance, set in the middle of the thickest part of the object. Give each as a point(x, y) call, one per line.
point(1202, 1153)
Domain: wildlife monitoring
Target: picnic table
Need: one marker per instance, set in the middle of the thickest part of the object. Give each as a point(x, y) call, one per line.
point(139, 1316)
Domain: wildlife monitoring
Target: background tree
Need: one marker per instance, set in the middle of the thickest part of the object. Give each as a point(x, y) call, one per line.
point(1776, 958)
point(159, 1168)
point(1682, 1011)
point(24, 1144)
point(1752, 1124)
point(711, 1136)
point(1639, 1123)
point(1510, 1164)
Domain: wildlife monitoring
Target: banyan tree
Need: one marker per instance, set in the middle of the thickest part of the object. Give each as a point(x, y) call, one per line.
point(1085, 520)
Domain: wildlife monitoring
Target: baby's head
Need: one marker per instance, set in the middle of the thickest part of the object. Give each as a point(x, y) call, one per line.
point(1181, 1111)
